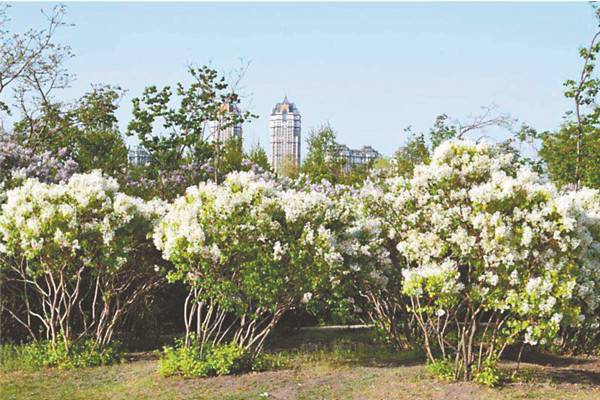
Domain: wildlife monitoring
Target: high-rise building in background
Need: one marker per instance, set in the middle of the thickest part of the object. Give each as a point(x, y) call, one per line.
point(222, 131)
point(354, 157)
point(285, 135)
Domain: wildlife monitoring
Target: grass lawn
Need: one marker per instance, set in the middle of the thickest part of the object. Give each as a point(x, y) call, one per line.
point(332, 364)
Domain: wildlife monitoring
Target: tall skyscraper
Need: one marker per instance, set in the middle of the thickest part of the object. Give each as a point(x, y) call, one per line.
point(220, 130)
point(285, 135)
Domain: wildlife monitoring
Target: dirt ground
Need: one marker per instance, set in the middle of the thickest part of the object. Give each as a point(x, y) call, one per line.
point(322, 366)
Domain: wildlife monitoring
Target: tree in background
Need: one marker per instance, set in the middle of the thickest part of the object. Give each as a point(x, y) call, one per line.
point(178, 135)
point(571, 155)
point(558, 152)
point(413, 153)
point(258, 157)
point(444, 129)
point(417, 151)
point(356, 174)
point(32, 63)
point(86, 131)
point(584, 126)
point(100, 145)
point(232, 156)
point(289, 168)
point(323, 160)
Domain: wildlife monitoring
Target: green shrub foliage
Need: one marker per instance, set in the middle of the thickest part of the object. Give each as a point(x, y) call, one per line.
point(210, 360)
point(44, 354)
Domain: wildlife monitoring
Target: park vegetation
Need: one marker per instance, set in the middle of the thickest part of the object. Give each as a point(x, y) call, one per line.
point(461, 248)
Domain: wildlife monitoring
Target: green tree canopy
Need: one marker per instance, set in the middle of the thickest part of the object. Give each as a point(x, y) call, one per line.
point(323, 160)
point(86, 131)
point(258, 156)
point(178, 134)
point(571, 154)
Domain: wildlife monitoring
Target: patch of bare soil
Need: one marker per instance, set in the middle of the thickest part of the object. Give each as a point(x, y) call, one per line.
point(461, 391)
point(234, 385)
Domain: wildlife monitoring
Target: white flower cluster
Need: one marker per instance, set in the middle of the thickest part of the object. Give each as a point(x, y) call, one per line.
point(181, 232)
point(80, 219)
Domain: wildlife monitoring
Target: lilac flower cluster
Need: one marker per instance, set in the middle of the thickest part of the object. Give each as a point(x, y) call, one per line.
point(18, 163)
point(167, 184)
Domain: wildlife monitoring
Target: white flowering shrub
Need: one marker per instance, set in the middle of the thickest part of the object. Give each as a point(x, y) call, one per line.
point(249, 250)
point(468, 256)
point(582, 208)
point(491, 254)
point(389, 308)
point(363, 280)
point(80, 251)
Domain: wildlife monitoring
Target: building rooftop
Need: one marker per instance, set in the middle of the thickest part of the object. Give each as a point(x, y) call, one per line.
point(285, 107)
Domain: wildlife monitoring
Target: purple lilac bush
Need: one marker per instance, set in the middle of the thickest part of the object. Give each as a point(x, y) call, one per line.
point(18, 163)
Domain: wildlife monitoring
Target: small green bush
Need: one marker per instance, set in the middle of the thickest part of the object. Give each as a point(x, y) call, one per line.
point(489, 375)
point(442, 369)
point(211, 361)
point(179, 359)
point(37, 355)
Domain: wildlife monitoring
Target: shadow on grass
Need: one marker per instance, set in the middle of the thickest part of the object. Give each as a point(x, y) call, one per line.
point(544, 367)
point(142, 356)
point(339, 347)
point(576, 376)
point(547, 359)
point(358, 347)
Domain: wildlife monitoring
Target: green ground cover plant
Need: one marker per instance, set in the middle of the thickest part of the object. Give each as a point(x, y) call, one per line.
point(38, 355)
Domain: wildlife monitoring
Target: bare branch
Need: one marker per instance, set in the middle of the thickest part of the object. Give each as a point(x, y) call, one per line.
point(31, 62)
point(489, 118)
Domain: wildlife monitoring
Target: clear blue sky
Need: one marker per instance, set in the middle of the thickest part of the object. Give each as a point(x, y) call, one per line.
point(368, 69)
